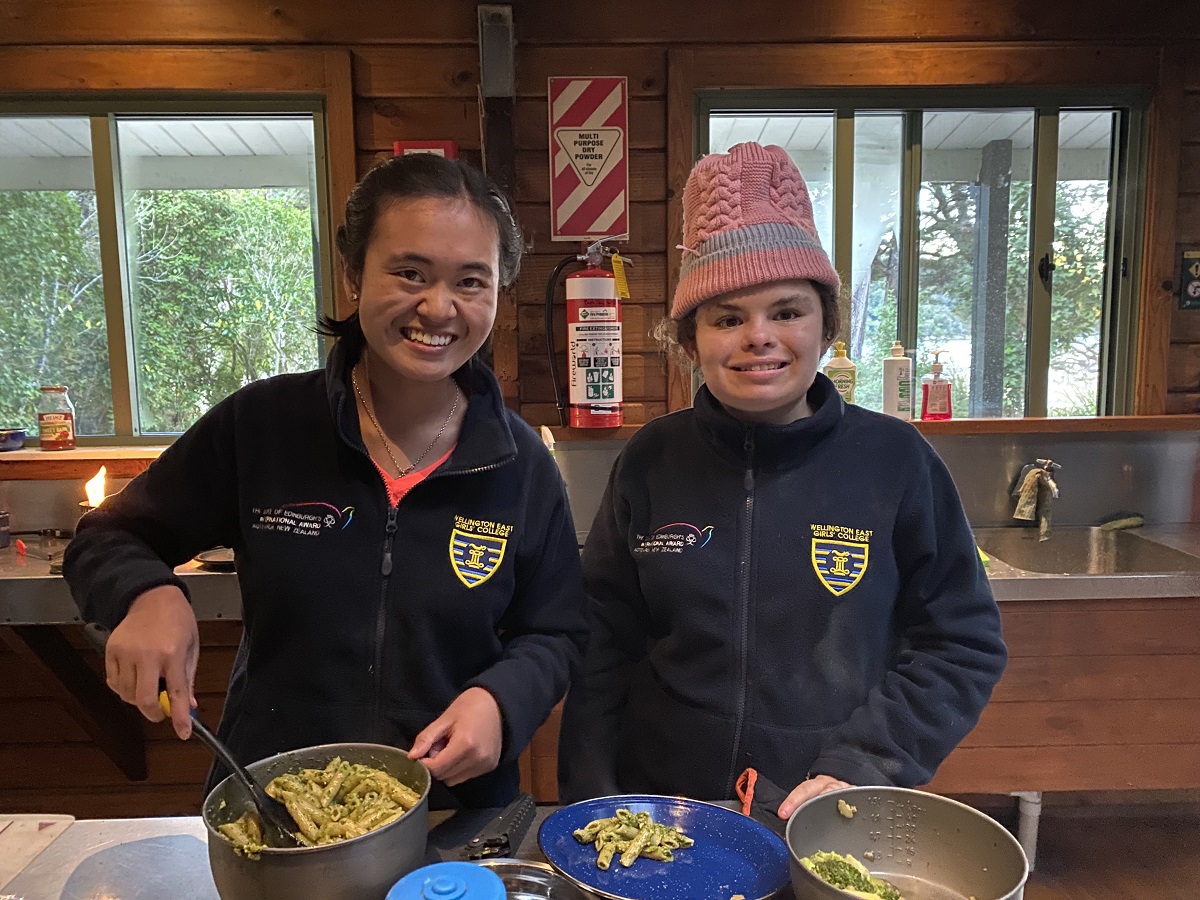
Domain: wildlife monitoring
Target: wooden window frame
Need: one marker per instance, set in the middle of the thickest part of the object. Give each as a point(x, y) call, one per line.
point(1146, 67)
point(183, 80)
point(191, 73)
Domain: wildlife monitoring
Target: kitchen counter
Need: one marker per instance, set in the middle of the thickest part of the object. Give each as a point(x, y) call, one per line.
point(31, 595)
point(124, 859)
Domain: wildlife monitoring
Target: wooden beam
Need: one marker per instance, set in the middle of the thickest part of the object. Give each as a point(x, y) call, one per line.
point(242, 22)
point(933, 21)
point(445, 71)
point(921, 65)
point(114, 726)
point(379, 122)
point(1155, 297)
point(645, 67)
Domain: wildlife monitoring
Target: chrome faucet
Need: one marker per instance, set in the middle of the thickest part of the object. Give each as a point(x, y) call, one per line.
point(1035, 489)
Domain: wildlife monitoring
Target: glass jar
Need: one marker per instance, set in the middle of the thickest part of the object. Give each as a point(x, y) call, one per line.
point(56, 419)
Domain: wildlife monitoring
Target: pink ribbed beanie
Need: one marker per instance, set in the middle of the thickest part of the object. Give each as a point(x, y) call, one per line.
point(747, 220)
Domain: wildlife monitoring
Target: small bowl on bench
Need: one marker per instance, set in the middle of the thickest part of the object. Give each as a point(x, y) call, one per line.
point(11, 439)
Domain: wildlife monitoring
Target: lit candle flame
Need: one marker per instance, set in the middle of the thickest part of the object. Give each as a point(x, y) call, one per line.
point(95, 488)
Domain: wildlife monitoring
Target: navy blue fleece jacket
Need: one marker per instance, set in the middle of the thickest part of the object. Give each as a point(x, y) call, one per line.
point(362, 621)
point(801, 599)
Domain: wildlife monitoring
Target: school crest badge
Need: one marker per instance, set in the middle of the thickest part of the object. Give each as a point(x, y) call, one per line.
point(839, 564)
point(477, 549)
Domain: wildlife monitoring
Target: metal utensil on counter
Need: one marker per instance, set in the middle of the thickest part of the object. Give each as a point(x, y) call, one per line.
point(278, 828)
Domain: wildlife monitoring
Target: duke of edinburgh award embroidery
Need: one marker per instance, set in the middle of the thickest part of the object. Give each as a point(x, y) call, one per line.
point(477, 549)
point(840, 556)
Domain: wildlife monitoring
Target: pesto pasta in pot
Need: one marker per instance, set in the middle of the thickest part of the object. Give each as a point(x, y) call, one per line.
point(341, 801)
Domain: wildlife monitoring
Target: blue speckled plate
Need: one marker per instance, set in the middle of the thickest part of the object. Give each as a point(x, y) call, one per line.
point(733, 854)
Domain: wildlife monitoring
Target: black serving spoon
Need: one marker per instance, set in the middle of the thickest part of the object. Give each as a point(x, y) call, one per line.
point(279, 830)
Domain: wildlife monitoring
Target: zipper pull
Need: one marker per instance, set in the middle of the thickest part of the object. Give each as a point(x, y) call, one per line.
point(386, 568)
point(748, 479)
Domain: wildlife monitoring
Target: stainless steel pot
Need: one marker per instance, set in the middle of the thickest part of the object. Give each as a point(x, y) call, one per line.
point(532, 881)
point(362, 868)
point(929, 847)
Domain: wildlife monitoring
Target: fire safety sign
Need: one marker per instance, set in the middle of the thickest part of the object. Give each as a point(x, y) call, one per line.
point(589, 158)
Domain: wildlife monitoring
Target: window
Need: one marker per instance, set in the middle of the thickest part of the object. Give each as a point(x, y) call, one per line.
point(155, 263)
point(992, 231)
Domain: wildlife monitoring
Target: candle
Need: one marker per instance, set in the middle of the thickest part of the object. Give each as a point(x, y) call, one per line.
point(95, 492)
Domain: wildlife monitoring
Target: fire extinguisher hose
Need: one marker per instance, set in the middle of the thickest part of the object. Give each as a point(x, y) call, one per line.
point(555, 376)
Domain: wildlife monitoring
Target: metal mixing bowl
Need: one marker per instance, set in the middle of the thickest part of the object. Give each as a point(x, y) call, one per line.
point(928, 846)
point(532, 881)
point(362, 868)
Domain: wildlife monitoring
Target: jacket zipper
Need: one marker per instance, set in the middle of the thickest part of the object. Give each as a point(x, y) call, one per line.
point(385, 569)
point(744, 550)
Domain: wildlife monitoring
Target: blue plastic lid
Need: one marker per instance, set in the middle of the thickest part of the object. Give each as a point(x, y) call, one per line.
point(449, 881)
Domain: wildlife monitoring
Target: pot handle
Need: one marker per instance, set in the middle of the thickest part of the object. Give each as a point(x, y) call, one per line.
point(760, 800)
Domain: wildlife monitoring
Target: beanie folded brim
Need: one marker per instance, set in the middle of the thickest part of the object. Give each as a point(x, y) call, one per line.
point(740, 259)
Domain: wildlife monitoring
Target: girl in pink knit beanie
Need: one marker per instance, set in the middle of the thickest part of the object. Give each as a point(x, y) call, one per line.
point(756, 305)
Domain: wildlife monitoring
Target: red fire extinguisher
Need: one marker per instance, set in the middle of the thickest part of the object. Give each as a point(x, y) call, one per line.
point(593, 343)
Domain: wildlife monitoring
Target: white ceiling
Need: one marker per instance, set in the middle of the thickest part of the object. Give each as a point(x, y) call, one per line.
point(943, 129)
point(67, 137)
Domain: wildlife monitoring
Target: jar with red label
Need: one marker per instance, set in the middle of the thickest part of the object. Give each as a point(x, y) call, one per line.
point(56, 419)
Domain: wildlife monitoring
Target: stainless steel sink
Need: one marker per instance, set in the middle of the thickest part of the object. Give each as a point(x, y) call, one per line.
point(1083, 551)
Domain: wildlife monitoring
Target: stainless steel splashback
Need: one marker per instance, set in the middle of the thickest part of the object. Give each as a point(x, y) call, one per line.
point(1156, 474)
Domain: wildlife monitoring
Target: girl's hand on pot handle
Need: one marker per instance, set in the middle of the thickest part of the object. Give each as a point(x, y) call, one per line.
point(157, 639)
point(464, 741)
point(806, 790)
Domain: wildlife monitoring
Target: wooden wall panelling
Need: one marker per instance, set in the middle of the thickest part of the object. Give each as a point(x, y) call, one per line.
point(647, 278)
point(644, 66)
point(627, 22)
point(1158, 242)
point(205, 22)
point(368, 159)
point(1090, 686)
point(43, 652)
point(380, 121)
point(1183, 366)
point(442, 71)
point(647, 229)
point(1187, 221)
point(1002, 770)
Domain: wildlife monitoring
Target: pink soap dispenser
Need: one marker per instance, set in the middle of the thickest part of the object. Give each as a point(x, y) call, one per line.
point(936, 401)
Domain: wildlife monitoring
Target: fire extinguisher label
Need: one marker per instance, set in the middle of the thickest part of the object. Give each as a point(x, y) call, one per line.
point(595, 349)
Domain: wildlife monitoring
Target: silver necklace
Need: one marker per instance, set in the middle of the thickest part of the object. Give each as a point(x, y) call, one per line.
point(403, 470)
